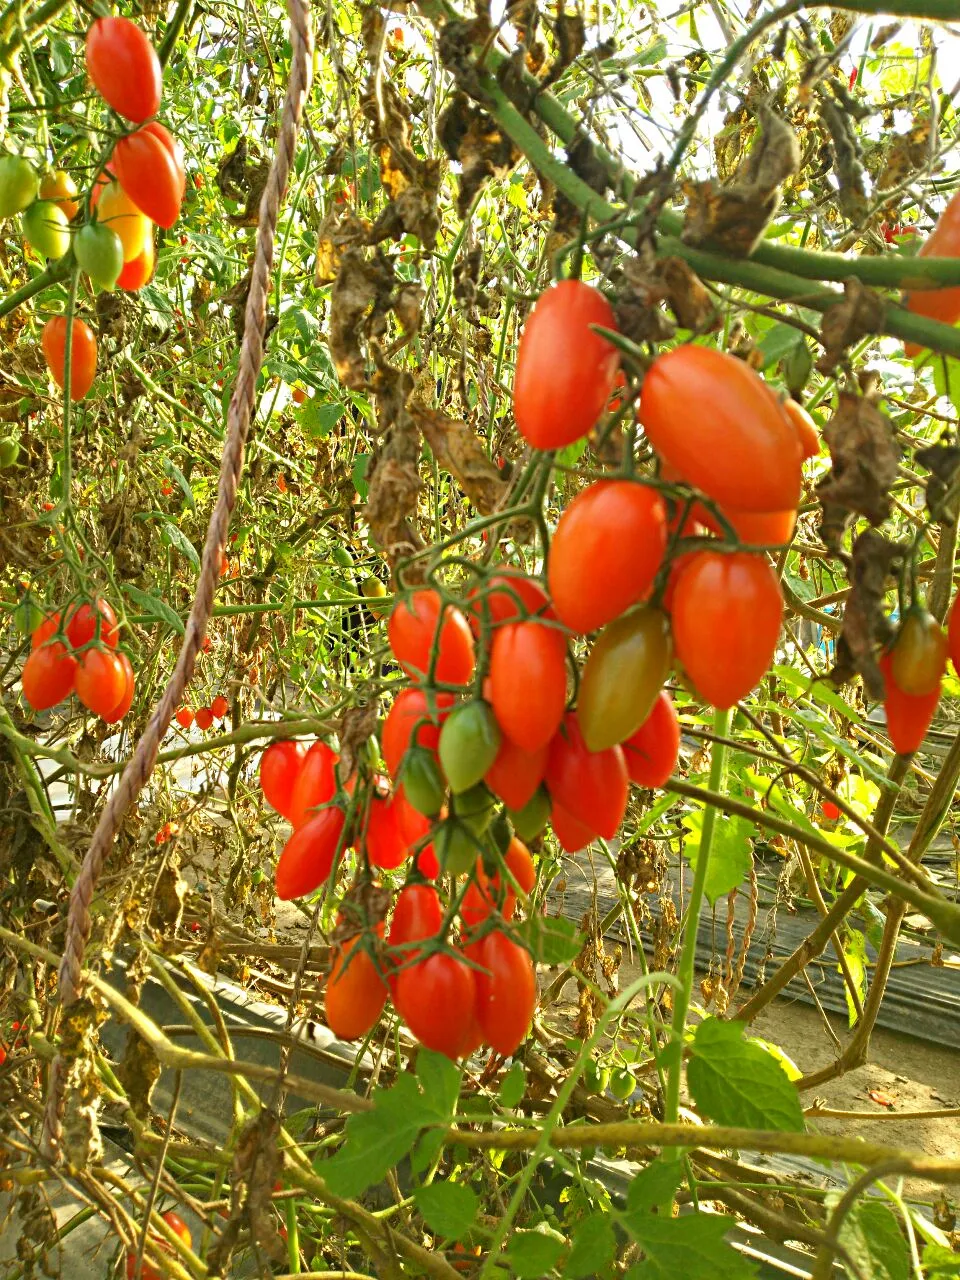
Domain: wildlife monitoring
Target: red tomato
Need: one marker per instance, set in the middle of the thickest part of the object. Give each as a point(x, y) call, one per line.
point(316, 783)
point(417, 914)
point(203, 718)
point(138, 270)
point(908, 716)
point(652, 752)
point(572, 835)
point(147, 1270)
point(126, 701)
point(953, 634)
point(280, 767)
point(306, 860)
point(506, 985)
point(516, 773)
point(592, 786)
point(410, 708)
point(184, 718)
point(48, 675)
point(830, 811)
point(47, 628)
point(565, 372)
point(83, 354)
point(506, 596)
point(486, 892)
point(753, 528)
point(81, 625)
point(938, 304)
point(721, 427)
point(436, 998)
point(219, 706)
point(384, 840)
point(148, 173)
point(355, 994)
point(606, 552)
point(175, 148)
point(415, 626)
point(124, 68)
point(101, 681)
point(726, 615)
point(528, 682)
point(805, 427)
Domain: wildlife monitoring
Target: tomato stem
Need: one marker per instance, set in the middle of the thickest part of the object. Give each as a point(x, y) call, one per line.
point(685, 969)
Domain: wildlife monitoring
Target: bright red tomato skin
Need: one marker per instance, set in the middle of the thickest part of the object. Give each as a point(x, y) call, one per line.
point(47, 628)
point(753, 528)
point(101, 681)
point(720, 426)
point(605, 554)
point(124, 68)
point(726, 613)
point(500, 598)
point(516, 773)
point(805, 427)
point(355, 993)
point(436, 998)
point(219, 706)
point(908, 716)
point(280, 767)
point(147, 171)
point(48, 675)
point(415, 622)
point(147, 1271)
point(126, 701)
point(506, 991)
point(138, 270)
point(83, 354)
point(565, 372)
point(173, 146)
point(203, 718)
point(410, 707)
point(652, 752)
point(185, 718)
point(830, 811)
point(485, 892)
point(592, 786)
point(938, 304)
point(528, 682)
point(572, 835)
point(384, 840)
point(306, 860)
point(315, 785)
point(81, 625)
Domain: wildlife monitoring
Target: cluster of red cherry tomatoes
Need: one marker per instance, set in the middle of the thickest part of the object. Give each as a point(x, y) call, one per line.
point(203, 717)
point(77, 652)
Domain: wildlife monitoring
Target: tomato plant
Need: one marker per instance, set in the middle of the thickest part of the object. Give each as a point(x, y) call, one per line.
point(280, 767)
point(725, 615)
point(147, 1270)
point(48, 675)
point(316, 783)
point(606, 552)
point(469, 742)
point(528, 682)
point(506, 986)
point(124, 68)
point(565, 372)
point(623, 676)
point(418, 624)
point(652, 752)
point(919, 653)
point(413, 717)
point(184, 718)
point(517, 772)
point(938, 304)
point(355, 993)
point(744, 451)
point(591, 785)
point(83, 354)
point(306, 860)
point(436, 999)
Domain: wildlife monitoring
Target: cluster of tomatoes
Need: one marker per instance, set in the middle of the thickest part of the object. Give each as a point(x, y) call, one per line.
point(147, 1270)
point(143, 183)
point(76, 652)
point(203, 717)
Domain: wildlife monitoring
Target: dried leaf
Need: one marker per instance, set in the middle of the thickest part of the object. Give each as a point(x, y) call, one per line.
point(459, 451)
point(942, 461)
point(881, 1098)
point(138, 1072)
point(860, 313)
point(474, 139)
point(865, 455)
point(687, 296)
point(908, 154)
point(865, 624)
point(360, 301)
point(570, 35)
point(357, 726)
point(394, 474)
point(848, 165)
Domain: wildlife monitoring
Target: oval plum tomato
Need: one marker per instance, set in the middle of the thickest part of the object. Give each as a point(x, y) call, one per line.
point(81, 626)
point(469, 742)
point(652, 752)
point(219, 706)
point(412, 707)
point(485, 892)
point(572, 834)
point(605, 554)
point(720, 426)
point(62, 190)
point(47, 628)
point(919, 653)
point(173, 145)
point(417, 915)
point(508, 595)
point(565, 372)
point(126, 701)
point(147, 172)
point(415, 627)
point(516, 773)
point(184, 719)
point(124, 68)
point(908, 716)
point(316, 783)
point(18, 185)
point(529, 821)
point(726, 615)
point(436, 998)
point(117, 211)
point(938, 304)
point(47, 229)
point(83, 354)
point(99, 252)
point(591, 785)
point(101, 681)
point(622, 677)
point(383, 839)
point(306, 860)
point(280, 767)
point(805, 427)
point(830, 811)
point(356, 993)
point(422, 782)
point(506, 983)
point(953, 634)
point(528, 681)
point(203, 718)
point(456, 847)
point(137, 272)
point(48, 675)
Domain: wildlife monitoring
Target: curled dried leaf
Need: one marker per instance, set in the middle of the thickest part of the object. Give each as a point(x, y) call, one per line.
point(861, 312)
point(865, 455)
point(866, 627)
point(459, 451)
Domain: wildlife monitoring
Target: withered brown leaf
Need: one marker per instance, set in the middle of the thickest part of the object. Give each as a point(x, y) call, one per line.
point(865, 456)
point(861, 312)
point(361, 299)
point(865, 624)
point(459, 451)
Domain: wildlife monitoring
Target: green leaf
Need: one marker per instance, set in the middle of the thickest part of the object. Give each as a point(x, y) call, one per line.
point(155, 608)
point(359, 475)
point(173, 471)
point(593, 1247)
point(692, 1247)
point(440, 1080)
point(872, 1236)
point(375, 1140)
point(778, 342)
point(513, 1085)
point(318, 417)
point(734, 1081)
point(654, 1185)
point(855, 953)
point(730, 853)
point(534, 1254)
point(551, 939)
point(428, 1147)
point(940, 1261)
point(177, 538)
point(449, 1208)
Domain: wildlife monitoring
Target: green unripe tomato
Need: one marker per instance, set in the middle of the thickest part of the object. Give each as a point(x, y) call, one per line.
point(342, 556)
point(622, 1084)
point(595, 1077)
point(529, 821)
point(9, 452)
point(623, 676)
point(19, 185)
point(99, 252)
point(47, 228)
point(27, 616)
point(469, 742)
point(474, 808)
point(455, 847)
point(423, 783)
